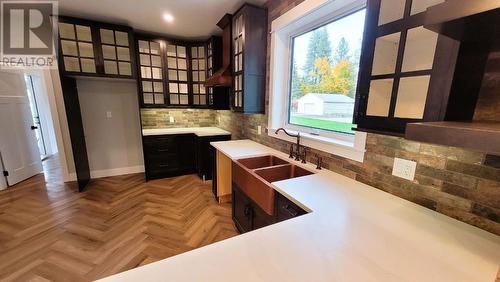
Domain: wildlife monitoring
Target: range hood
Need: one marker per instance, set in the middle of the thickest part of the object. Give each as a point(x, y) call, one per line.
point(223, 76)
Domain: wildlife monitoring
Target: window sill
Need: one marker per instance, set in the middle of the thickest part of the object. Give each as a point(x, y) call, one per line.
point(351, 150)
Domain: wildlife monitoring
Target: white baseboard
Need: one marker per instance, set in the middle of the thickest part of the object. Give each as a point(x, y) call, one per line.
point(109, 172)
point(116, 171)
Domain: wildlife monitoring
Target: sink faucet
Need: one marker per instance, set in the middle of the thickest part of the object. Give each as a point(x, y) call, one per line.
point(297, 153)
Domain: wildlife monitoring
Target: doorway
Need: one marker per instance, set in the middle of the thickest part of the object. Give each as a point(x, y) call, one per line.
point(35, 114)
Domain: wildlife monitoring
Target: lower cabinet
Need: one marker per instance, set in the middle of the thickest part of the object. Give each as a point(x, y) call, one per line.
point(204, 160)
point(169, 155)
point(248, 216)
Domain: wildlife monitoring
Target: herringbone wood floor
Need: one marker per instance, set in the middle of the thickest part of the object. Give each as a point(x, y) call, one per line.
point(48, 231)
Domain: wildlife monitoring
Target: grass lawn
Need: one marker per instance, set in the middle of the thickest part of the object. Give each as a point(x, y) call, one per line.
point(323, 124)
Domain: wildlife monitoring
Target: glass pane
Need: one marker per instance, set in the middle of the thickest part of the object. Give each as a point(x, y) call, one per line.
point(183, 88)
point(201, 64)
point(202, 76)
point(71, 64)
point(173, 87)
point(196, 89)
point(201, 52)
point(183, 76)
point(156, 61)
point(107, 36)
point(418, 6)
point(171, 51)
point(181, 51)
point(123, 54)
point(172, 63)
point(174, 99)
point(202, 89)
point(121, 38)
point(391, 10)
point(158, 87)
point(203, 100)
point(147, 86)
point(184, 99)
point(182, 64)
point(419, 49)
point(159, 99)
point(194, 52)
point(124, 68)
point(110, 67)
point(155, 48)
point(156, 73)
point(108, 52)
point(145, 61)
point(143, 46)
point(148, 98)
point(412, 95)
point(66, 31)
point(69, 48)
point(145, 72)
point(196, 100)
point(88, 65)
point(195, 76)
point(86, 49)
point(194, 64)
point(83, 33)
point(172, 74)
point(379, 98)
point(386, 54)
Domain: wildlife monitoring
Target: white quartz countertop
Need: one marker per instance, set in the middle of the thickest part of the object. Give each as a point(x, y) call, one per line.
point(354, 233)
point(198, 131)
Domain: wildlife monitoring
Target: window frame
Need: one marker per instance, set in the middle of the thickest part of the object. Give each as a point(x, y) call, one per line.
point(305, 17)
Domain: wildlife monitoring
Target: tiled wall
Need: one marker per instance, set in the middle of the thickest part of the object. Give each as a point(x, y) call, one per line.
point(459, 183)
point(160, 118)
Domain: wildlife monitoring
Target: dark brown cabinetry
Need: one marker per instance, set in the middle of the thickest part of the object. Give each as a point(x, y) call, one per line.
point(169, 155)
point(204, 158)
point(249, 59)
point(89, 48)
point(218, 97)
point(247, 216)
point(405, 68)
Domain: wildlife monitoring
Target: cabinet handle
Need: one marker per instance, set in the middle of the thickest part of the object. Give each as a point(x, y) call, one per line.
point(247, 211)
point(290, 210)
point(164, 165)
point(163, 150)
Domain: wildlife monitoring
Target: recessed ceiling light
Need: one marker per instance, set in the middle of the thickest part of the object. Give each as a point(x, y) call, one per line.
point(168, 18)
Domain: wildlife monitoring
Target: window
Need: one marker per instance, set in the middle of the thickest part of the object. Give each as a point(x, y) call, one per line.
point(324, 72)
point(315, 53)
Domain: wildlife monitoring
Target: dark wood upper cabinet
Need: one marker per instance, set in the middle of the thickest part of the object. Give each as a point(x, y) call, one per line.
point(249, 59)
point(406, 70)
point(89, 48)
point(218, 96)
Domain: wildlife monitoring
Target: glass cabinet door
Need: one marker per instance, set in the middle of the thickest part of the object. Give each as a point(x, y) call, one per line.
point(151, 72)
point(116, 52)
point(199, 74)
point(238, 39)
point(177, 74)
point(77, 48)
point(210, 71)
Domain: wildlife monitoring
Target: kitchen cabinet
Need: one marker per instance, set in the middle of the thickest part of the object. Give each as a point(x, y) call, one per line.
point(218, 97)
point(247, 216)
point(286, 209)
point(169, 155)
point(405, 69)
point(249, 37)
point(204, 160)
point(89, 48)
point(151, 71)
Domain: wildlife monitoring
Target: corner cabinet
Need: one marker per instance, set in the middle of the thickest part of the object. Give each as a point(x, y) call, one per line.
point(405, 70)
point(249, 40)
point(89, 48)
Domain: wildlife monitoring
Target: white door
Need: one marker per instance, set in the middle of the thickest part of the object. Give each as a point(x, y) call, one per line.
point(18, 144)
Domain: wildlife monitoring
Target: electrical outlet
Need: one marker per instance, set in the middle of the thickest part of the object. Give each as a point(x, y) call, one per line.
point(109, 114)
point(171, 119)
point(259, 129)
point(404, 168)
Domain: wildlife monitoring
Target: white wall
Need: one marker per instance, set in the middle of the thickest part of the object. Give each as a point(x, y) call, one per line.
point(110, 114)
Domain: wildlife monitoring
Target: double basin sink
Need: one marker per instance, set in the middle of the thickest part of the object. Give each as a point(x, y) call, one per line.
point(255, 175)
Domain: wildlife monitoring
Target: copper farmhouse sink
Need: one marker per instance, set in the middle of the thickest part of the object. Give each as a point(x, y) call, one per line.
point(255, 175)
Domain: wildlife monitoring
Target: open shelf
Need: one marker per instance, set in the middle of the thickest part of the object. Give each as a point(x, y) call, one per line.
point(462, 19)
point(477, 135)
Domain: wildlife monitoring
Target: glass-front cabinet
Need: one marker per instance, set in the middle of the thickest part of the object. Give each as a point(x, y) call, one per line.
point(89, 48)
point(401, 66)
point(177, 74)
point(151, 71)
point(199, 74)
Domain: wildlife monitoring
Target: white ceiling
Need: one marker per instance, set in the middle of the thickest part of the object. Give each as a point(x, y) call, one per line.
point(193, 19)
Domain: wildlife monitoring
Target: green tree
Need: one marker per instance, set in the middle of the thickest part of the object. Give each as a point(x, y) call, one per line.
point(296, 81)
point(342, 51)
point(318, 47)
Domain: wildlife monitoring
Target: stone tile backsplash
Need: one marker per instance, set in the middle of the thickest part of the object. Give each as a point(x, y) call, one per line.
point(160, 118)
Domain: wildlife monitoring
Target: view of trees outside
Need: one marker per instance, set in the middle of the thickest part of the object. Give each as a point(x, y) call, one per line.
point(324, 74)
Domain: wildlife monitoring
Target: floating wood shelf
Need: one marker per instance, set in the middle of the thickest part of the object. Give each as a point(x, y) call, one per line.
point(464, 20)
point(477, 135)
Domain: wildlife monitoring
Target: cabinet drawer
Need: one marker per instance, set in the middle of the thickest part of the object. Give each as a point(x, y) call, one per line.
point(242, 211)
point(286, 209)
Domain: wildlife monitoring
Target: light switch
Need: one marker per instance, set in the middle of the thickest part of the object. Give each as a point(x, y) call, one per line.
point(404, 168)
point(171, 119)
point(109, 114)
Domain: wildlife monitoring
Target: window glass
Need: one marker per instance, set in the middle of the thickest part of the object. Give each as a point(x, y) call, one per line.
point(325, 66)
